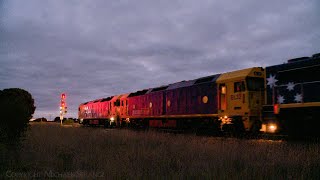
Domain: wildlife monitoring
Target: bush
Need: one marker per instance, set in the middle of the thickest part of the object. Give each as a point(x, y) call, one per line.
point(40, 120)
point(68, 121)
point(16, 109)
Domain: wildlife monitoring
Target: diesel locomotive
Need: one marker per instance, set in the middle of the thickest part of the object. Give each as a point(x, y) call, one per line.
point(279, 98)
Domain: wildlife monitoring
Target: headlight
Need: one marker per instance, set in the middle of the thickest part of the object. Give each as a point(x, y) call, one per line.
point(112, 119)
point(226, 120)
point(269, 128)
point(272, 128)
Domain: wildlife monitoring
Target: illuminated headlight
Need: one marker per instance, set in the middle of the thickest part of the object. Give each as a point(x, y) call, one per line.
point(226, 120)
point(272, 128)
point(269, 128)
point(112, 119)
point(128, 120)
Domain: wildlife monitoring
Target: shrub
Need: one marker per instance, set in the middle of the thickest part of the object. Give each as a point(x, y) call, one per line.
point(68, 121)
point(16, 109)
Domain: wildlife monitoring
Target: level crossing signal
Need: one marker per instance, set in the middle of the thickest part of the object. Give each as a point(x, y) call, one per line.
point(63, 105)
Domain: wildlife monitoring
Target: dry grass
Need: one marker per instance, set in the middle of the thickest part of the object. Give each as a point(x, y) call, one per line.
point(85, 152)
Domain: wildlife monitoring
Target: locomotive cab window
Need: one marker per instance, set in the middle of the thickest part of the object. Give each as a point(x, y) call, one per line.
point(239, 86)
point(117, 103)
point(255, 84)
point(222, 97)
point(223, 89)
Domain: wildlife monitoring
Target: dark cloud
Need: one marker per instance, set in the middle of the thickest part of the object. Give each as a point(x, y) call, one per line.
point(93, 49)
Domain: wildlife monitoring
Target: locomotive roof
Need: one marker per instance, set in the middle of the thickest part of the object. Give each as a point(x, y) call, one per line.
point(181, 84)
point(106, 99)
point(161, 88)
point(97, 100)
point(295, 63)
point(123, 96)
point(211, 78)
point(236, 74)
point(138, 93)
point(115, 97)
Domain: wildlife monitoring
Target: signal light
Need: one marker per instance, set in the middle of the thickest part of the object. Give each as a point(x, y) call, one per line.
point(276, 108)
point(63, 106)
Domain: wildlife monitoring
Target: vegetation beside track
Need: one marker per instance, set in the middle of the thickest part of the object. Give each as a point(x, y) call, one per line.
point(113, 153)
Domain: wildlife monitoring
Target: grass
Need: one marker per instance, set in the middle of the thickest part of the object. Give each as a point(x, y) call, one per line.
point(127, 154)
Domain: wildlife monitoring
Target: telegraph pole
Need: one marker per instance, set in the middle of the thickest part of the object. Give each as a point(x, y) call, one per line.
point(63, 106)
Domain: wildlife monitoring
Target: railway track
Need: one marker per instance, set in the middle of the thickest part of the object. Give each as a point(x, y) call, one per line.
point(262, 136)
point(208, 133)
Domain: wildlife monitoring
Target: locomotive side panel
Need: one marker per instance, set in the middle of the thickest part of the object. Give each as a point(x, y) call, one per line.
point(90, 110)
point(156, 103)
point(293, 99)
point(81, 111)
point(207, 98)
point(104, 109)
point(304, 72)
point(123, 106)
point(131, 105)
point(140, 107)
point(138, 104)
point(197, 99)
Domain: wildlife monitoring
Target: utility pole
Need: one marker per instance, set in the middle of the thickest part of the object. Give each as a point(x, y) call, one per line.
point(63, 106)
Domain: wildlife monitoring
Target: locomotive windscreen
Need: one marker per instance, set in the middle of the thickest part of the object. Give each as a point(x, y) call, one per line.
point(255, 84)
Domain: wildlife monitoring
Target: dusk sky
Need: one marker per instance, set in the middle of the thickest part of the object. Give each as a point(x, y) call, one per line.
point(92, 49)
